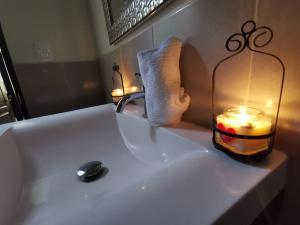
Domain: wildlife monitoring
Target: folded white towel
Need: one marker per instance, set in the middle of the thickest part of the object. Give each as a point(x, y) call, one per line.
point(165, 99)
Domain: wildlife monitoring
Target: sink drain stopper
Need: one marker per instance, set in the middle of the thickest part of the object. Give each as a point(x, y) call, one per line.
point(91, 171)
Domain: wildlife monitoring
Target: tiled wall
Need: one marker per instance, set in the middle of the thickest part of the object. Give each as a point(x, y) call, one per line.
point(204, 25)
point(50, 88)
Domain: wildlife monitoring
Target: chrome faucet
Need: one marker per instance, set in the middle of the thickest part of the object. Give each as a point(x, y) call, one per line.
point(128, 98)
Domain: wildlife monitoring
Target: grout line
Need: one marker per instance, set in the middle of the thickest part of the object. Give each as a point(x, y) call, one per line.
point(152, 35)
point(251, 56)
point(256, 10)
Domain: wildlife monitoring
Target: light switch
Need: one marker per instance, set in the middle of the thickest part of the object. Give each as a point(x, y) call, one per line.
point(44, 51)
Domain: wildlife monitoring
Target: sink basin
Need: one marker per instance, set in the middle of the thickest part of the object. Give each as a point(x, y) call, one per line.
point(155, 175)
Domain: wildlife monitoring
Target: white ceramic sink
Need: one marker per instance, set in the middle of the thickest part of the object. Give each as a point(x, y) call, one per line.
point(156, 175)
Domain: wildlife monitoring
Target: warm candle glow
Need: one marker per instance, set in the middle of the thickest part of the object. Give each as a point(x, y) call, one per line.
point(241, 117)
point(270, 103)
point(132, 89)
point(119, 92)
point(243, 120)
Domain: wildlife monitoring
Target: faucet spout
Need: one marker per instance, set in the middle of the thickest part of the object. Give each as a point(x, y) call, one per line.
point(128, 98)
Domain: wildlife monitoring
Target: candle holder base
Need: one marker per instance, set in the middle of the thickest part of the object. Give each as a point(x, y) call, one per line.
point(242, 157)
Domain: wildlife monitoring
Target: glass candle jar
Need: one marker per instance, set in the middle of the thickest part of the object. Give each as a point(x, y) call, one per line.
point(243, 130)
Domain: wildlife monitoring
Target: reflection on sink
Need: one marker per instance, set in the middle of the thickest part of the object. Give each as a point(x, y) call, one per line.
point(156, 175)
point(152, 145)
point(11, 177)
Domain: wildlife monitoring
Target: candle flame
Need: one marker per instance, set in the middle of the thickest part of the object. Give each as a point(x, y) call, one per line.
point(269, 103)
point(243, 117)
point(119, 92)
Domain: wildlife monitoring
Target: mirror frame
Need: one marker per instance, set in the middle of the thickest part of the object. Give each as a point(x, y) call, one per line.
point(135, 14)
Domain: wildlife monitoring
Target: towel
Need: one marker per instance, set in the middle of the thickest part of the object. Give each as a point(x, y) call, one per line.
point(165, 98)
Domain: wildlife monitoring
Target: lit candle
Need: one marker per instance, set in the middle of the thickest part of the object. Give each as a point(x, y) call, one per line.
point(118, 93)
point(132, 89)
point(243, 120)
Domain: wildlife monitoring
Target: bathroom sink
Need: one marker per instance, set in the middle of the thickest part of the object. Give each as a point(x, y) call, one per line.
point(153, 175)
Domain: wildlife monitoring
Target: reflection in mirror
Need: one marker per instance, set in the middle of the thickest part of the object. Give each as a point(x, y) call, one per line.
point(117, 7)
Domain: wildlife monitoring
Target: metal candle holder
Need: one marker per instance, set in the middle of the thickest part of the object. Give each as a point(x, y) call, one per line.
point(247, 39)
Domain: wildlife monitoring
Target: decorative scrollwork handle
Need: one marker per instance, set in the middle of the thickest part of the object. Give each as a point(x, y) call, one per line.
point(236, 42)
point(259, 34)
point(250, 36)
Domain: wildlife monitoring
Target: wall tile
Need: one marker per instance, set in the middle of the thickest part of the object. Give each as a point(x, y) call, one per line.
point(125, 57)
point(106, 62)
point(58, 87)
point(129, 51)
point(204, 26)
point(85, 83)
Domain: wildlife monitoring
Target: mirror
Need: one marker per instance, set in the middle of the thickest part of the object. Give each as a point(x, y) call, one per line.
point(123, 16)
point(117, 7)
